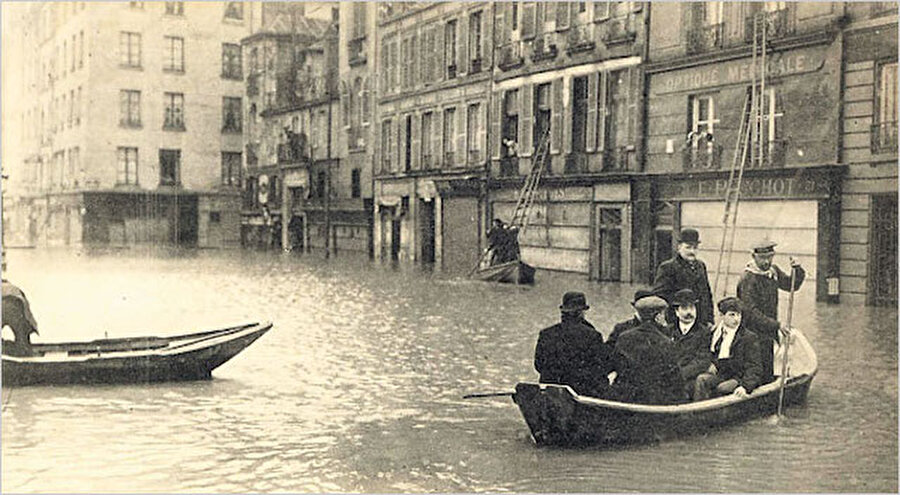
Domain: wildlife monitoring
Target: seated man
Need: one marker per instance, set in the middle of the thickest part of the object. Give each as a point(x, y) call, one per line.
point(736, 367)
point(17, 316)
point(645, 359)
point(691, 338)
point(572, 352)
point(635, 320)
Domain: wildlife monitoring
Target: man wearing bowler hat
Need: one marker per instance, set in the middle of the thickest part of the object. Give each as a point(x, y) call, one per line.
point(758, 291)
point(645, 359)
point(572, 352)
point(685, 271)
point(691, 338)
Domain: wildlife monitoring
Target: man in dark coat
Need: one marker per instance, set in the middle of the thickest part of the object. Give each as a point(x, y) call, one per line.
point(758, 292)
point(691, 338)
point(645, 360)
point(572, 352)
point(17, 316)
point(630, 323)
point(736, 367)
point(685, 271)
point(497, 239)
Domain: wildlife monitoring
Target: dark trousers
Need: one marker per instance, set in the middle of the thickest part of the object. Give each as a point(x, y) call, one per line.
point(708, 384)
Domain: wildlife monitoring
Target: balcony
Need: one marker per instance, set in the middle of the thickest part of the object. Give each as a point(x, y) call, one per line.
point(619, 31)
point(776, 24)
point(544, 47)
point(509, 166)
point(580, 38)
point(774, 154)
point(510, 56)
point(356, 51)
point(884, 137)
point(705, 38)
point(703, 156)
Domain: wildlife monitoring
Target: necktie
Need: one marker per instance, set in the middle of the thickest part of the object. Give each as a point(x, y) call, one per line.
point(718, 347)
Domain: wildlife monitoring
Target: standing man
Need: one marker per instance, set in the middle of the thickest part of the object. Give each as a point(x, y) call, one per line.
point(572, 352)
point(497, 238)
point(758, 292)
point(685, 271)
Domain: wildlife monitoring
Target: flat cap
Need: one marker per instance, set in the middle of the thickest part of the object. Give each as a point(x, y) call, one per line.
point(650, 303)
point(730, 304)
point(764, 246)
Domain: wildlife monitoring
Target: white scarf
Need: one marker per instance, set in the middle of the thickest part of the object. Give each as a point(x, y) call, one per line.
point(727, 340)
point(752, 268)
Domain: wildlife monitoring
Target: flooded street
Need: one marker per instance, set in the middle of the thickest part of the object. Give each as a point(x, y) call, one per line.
point(358, 387)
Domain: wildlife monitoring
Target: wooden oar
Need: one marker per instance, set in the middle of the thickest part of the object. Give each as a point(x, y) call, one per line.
point(488, 394)
point(787, 344)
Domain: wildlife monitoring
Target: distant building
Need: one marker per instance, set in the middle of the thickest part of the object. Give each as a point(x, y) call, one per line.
point(134, 123)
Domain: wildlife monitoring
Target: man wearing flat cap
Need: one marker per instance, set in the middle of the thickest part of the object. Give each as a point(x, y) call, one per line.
point(691, 338)
point(572, 352)
point(647, 372)
point(634, 321)
point(758, 291)
point(685, 271)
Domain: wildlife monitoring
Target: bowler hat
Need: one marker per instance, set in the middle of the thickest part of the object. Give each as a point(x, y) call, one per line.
point(650, 305)
point(764, 246)
point(730, 304)
point(640, 294)
point(690, 236)
point(684, 297)
point(573, 301)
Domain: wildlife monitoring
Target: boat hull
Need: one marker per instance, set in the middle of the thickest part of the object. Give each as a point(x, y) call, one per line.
point(556, 415)
point(513, 272)
point(140, 360)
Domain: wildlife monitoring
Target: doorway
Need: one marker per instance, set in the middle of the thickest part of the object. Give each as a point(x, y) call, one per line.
point(610, 245)
point(426, 209)
point(883, 251)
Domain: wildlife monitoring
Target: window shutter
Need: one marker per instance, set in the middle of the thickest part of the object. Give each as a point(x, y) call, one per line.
point(367, 101)
point(631, 103)
point(566, 106)
point(439, 52)
point(556, 111)
point(412, 54)
point(591, 130)
point(485, 41)
point(496, 124)
point(563, 11)
point(526, 117)
point(529, 12)
point(462, 46)
point(603, 99)
point(415, 151)
point(437, 140)
point(501, 11)
point(461, 112)
point(482, 131)
point(540, 13)
point(398, 144)
point(345, 100)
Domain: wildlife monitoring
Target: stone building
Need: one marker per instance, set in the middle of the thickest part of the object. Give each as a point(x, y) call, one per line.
point(132, 123)
point(434, 64)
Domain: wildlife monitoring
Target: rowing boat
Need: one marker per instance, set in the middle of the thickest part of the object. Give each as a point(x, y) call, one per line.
point(511, 272)
point(129, 360)
point(556, 415)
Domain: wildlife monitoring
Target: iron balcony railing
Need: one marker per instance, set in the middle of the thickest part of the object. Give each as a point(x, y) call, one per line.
point(776, 22)
point(703, 156)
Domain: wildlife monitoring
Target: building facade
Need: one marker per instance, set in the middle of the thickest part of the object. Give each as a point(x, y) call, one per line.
point(868, 238)
point(133, 125)
point(570, 74)
point(434, 65)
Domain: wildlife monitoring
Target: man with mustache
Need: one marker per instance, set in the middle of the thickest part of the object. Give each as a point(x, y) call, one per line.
point(685, 271)
point(691, 338)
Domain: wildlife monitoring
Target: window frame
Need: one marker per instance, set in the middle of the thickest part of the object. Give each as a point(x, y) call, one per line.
point(233, 15)
point(130, 57)
point(124, 176)
point(233, 106)
point(232, 62)
point(171, 62)
point(173, 103)
point(130, 108)
point(176, 179)
point(231, 160)
point(174, 8)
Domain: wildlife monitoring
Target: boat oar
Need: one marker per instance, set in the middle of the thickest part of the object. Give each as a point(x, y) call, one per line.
point(488, 394)
point(787, 345)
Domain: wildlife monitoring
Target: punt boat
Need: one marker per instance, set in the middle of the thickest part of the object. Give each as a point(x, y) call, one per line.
point(556, 415)
point(129, 360)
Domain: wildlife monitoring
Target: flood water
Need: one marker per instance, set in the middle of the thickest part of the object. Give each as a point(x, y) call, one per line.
point(358, 387)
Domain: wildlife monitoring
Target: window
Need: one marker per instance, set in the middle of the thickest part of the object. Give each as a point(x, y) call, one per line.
point(514, 16)
point(355, 189)
point(475, 40)
point(78, 106)
point(231, 61)
point(231, 168)
point(562, 15)
point(169, 167)
point(473, 128)
point(234, 10)
point(80, 49)
point(175, 8)
point(703, 116)
point(884, 133)
point(65, 57)
point(126, 173)
point(713, 13)
point(231, 114)
point(601, 11)
point(129, 49)
point(73, 59)
point(449, 135)
point(173, 54)
point(136, 5)
point(174, 117)
point(321, 181)
point(579, 114)
point(427, 130)
point(129, 108)
point(70, 119)
point(450, 49)
point(359, 20)
point(387, 148)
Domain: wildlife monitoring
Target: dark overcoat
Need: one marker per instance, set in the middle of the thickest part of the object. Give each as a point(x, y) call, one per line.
point(619, 329)
point(646, 367)
point(692, 349)
point(745, 364)
point(573, 353)
point(678, 273)
point(759, 296)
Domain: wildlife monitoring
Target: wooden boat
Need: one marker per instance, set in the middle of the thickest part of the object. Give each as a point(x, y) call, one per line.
point(511, 272)
point(557, 415)
point(129, 360)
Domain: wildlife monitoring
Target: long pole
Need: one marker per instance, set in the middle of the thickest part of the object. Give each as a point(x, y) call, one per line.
point(286, 205)
point(787, 343)
point(328, 182)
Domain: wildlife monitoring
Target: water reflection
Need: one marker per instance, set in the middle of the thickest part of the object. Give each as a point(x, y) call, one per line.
point(358, 388)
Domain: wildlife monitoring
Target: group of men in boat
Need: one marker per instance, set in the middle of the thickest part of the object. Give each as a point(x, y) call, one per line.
point(673, 350)
point(503, 242)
